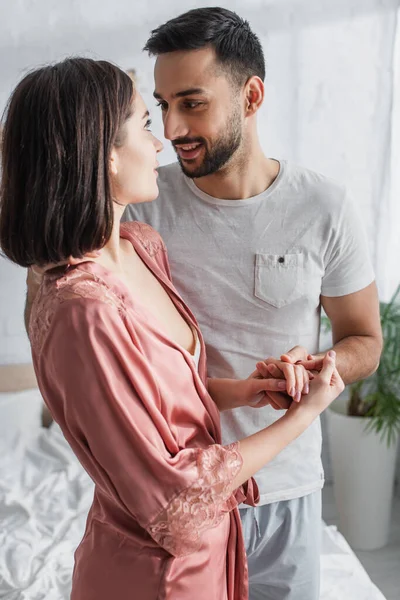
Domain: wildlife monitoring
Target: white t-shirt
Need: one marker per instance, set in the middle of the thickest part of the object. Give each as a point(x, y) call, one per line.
point(252, 272)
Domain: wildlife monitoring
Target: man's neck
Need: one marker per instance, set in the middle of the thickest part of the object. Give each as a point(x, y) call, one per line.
point(244, 178)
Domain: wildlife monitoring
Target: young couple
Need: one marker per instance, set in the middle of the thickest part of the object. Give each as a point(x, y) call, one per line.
point(256, 245)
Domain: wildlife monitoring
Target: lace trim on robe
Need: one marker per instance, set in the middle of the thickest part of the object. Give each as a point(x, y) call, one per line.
point(74, 284)
point(147, 236)
point(201, 506)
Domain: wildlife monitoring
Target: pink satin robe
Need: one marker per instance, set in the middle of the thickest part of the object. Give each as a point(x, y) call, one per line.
point(164, 523)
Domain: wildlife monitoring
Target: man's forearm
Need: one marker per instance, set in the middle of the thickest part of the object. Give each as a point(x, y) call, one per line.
point(357, 356)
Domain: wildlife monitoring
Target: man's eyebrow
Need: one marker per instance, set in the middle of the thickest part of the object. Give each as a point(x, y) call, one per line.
point(182, 94)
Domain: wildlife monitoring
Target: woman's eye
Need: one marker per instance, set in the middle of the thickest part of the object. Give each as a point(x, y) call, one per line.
point(148, 124)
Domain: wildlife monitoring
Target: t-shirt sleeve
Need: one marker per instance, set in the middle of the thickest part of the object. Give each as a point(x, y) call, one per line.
point(109, 407)
point(348, 266)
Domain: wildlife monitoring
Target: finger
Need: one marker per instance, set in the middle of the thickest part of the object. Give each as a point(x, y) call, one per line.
point(328, 366)
point(289, 373)
point(298, 373)
point(337, 381)
point(275, 371)
point(306, 382)
point(281, 400)
point(262, 368)
point(314, 364)
point(295, 354)
point(268, 385)
point(261, 401)
point(274, 405)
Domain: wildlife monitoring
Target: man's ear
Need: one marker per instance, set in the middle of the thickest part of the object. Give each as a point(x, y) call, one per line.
point(254, 95)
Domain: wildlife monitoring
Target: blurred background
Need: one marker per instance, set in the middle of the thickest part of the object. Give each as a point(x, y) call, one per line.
point(332, 105)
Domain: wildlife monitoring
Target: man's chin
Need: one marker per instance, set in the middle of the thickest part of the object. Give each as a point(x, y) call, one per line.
point(191, 169)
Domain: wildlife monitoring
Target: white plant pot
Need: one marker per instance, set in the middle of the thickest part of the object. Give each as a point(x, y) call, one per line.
point(363, 477)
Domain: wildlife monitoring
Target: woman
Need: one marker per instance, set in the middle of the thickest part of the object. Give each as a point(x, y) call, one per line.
point(119, 358)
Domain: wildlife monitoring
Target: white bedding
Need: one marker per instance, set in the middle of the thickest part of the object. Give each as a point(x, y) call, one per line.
point(44, 499)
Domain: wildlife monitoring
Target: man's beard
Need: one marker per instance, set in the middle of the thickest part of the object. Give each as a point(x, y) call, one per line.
point(218, 154)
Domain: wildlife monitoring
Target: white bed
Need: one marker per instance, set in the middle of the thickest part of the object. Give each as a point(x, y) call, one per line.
point(45, 496)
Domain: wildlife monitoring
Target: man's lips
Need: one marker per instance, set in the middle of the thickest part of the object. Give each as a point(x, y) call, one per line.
point(189, 151)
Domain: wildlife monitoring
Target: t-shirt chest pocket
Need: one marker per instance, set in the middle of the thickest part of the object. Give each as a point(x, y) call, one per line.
point(279, 278)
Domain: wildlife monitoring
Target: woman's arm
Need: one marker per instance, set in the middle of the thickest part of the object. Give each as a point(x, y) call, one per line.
point(234, 393)
point(260, 448)
point(103, 392)
point(262, 387)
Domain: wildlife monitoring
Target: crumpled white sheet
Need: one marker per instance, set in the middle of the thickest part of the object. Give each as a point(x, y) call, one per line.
point(44, 499)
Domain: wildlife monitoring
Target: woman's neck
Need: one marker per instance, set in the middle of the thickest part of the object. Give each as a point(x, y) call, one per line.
point(111, 253)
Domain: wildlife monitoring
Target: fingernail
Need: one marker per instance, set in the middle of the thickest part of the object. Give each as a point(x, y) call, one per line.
point(332, 353)
point(297, 397)
point(292, 392)
point(282, 385)
point(306, 388)
point(298, 362)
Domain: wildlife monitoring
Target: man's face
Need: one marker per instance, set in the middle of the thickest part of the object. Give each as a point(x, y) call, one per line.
point(201, 111)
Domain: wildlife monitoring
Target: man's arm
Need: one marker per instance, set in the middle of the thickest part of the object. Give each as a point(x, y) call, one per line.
point(356, 332)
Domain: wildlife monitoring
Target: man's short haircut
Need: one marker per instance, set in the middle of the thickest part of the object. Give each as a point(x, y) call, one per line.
point(237, 48)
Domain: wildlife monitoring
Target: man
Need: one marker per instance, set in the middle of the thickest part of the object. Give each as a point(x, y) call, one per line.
point(256, 247)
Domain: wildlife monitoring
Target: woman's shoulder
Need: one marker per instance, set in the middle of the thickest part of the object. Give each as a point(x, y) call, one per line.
point(148, 237)
point(76, 294)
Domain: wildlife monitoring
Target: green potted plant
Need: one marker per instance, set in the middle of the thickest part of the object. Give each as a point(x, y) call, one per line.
point(363, 429)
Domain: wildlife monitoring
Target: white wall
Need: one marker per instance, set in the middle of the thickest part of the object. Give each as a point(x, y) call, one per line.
point(328, 106)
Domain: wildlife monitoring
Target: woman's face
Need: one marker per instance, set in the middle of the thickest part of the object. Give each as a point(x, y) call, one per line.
point(134, 162)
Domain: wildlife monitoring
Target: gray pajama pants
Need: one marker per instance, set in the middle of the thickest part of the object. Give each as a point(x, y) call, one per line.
point(283, 544)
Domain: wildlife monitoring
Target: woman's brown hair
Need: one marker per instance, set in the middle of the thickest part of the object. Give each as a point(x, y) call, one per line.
point(61, 124)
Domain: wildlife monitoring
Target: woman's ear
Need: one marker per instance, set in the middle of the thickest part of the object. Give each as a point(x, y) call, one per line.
point(114, 162)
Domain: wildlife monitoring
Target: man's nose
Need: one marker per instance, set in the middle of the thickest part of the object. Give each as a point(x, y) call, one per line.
point(174, 126)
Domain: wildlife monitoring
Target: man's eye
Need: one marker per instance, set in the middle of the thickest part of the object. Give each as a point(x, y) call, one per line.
point(163, 105)
point(148, 124)
point(192, 104)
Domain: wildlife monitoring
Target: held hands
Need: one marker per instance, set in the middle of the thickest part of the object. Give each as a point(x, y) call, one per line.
point(324, 388)
point(295, 376)
point(307, 381)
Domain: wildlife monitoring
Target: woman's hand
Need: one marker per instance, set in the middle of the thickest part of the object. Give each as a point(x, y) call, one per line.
point(258, 392)
point(255, 391)
point(297, 376)
point(324, 388)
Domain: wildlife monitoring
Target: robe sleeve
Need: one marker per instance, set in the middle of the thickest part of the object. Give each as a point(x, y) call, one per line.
point(109, 406)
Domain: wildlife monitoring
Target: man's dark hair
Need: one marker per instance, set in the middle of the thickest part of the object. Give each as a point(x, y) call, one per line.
point(62, 122)
point(237, 48)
